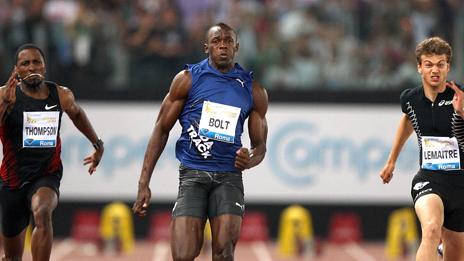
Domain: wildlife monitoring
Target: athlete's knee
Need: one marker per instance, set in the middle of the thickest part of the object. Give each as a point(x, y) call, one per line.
point(185, 253)
point(224, 252)
point(431, 231)
point(184, 256)
point(42, 216)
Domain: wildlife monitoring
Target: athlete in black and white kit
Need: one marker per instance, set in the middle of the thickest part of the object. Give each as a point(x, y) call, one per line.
point(435, 113)
point(31, 170)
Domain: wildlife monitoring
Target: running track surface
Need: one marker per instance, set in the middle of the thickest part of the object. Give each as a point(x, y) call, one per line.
point(70, 250)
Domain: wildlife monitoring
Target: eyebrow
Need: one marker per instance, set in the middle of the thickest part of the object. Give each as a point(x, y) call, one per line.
point(425, 61)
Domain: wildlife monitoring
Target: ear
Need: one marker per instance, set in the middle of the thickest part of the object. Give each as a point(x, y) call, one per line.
point(237, 46)
point(419, 69)
point(205, 48)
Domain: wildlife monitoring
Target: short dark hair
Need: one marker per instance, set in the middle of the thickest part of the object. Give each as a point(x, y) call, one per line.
point(28, 46)
point(434, 46)
point(223, 26)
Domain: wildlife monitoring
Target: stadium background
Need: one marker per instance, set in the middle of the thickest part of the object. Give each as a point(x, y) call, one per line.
point(334, 70)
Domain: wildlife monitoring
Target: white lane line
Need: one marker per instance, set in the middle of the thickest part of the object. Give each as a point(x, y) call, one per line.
point(358, 253)
point(161, 251)
point(62, 249)
point(261, 251)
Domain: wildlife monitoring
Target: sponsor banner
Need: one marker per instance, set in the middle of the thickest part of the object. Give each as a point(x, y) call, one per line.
point(316, 154)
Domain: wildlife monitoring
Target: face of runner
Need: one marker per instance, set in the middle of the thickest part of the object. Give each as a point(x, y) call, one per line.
point(434, 70)
point(221, 47)
point(31, 67)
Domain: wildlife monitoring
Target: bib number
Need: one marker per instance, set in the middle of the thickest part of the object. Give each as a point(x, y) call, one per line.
point(40, 129)
point(218, 121)
point(440, 153)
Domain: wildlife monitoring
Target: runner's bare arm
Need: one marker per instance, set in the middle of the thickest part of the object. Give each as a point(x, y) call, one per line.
point(171, 107)
point(76, 114)
point(82, 123)
point(403, 132)
point(257, 129)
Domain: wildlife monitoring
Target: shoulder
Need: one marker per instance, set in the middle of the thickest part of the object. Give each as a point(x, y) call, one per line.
point(66, 96)
point(182, 79)
point(63, 90)
point(410, 93)
point(258, 87)
point(181, 84)
point(197, 67)
point(260, 97)
point(183, 76)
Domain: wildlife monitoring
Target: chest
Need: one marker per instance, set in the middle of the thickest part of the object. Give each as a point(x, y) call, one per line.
point(31, 111)
point(226, 91)
point(433, 117)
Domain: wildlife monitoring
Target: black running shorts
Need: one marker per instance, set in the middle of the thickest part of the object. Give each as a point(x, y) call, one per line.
point(450, 188)
point(16, 204)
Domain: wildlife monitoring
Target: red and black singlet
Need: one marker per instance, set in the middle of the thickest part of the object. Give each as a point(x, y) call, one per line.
point(31, 140)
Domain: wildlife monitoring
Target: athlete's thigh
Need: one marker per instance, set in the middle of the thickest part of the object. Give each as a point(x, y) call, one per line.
point(453, 243)
point(187, 233)
point(430, 210)
point(15, 211)
point(225, 229)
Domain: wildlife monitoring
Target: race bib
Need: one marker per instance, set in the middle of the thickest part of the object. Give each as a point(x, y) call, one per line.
point(218, 121)
point(40, 129)
point(440, 153)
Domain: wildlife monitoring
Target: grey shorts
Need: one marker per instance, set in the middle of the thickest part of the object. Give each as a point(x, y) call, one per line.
point(209, 194)
point(449, 188)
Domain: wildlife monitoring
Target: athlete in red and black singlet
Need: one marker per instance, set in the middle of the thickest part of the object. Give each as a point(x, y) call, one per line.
point(30, 113)
point(22, 165)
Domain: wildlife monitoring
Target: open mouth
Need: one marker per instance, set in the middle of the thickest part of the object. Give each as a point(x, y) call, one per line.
point(34, 75)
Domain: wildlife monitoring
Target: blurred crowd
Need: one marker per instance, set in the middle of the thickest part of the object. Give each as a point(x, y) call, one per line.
point(289, 44)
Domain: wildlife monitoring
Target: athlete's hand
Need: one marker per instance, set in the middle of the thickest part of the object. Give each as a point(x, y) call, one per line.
point(242, 160)
point(386, 174)
point(9, 96)
point(458, 99)
point(93, 159)
point(143, 200)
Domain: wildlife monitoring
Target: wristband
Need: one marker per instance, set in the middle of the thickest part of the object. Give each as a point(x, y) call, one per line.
point(98, 145)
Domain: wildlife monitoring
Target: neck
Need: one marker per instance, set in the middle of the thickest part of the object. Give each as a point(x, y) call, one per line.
point(431, 92)
point(223, 69)
point(39, 92)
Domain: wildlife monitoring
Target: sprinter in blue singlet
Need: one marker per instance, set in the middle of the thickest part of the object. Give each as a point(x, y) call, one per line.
point(211, 99)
